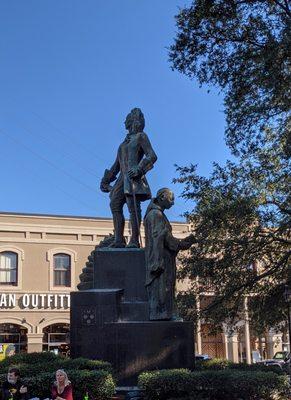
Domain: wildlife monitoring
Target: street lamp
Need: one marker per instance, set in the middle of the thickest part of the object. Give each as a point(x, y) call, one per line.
point(287, 296)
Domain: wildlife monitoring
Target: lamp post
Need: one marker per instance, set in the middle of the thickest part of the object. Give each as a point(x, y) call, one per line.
point(287, 296)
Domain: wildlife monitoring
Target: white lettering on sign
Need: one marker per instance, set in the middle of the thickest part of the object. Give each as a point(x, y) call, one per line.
point(68, 300)
point(42, 296)
point(25, 300)
point(34, 301)
point(7, 300)
point(11, 300)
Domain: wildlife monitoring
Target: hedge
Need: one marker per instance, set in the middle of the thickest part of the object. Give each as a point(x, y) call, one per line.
point(213, 385)
point(98, 384)
point(222, 364)
point(31, 363)
point(38, 373)
point(29, 358)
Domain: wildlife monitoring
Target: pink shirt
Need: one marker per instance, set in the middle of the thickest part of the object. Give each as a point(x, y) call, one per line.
point(66, 394)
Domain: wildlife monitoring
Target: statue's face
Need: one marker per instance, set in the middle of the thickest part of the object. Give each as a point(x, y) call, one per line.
point(168, 199)
point(134, 123)
point(127, 122)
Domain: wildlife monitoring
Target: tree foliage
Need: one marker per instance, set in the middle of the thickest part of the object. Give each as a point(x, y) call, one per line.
point(241, 212)
point(243, 47)
point(241, 218)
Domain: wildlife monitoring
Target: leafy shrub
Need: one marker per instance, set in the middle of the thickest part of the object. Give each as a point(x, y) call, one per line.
point(83, 363)
point(222, 364)
point(92, 376)
point(165, 383)
point(31, 363)
point(214, 364)
point(29, 358)
point(213, 385)
point(98, 384)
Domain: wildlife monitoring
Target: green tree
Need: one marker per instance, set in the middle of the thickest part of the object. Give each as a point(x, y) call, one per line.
point(241, 213)
point(243, 47)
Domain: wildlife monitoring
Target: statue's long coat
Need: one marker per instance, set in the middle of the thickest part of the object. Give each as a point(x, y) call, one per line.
point(135, 150)
point(161, 249)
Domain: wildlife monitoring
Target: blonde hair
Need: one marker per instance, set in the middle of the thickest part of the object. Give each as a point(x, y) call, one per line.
point(62, 372)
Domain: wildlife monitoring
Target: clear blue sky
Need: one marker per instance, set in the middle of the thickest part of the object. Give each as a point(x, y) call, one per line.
point(70, 71)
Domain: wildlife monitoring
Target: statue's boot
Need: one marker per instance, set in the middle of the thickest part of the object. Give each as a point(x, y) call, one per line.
point(133, 245)
point(135, 227)
point(118, 222)
point(176, 317)
point(117, 245)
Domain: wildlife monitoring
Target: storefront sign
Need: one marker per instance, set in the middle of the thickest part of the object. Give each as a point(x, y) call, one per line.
point(34, 301)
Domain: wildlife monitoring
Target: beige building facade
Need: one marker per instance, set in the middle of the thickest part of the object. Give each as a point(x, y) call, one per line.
point(41, 257)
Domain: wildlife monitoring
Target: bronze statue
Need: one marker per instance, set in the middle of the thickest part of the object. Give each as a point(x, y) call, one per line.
point(135, 157)
point(161, 249)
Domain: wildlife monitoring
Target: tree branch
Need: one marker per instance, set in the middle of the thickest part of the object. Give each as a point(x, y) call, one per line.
point(248, 284)
point(275, 203)
point(283, 7)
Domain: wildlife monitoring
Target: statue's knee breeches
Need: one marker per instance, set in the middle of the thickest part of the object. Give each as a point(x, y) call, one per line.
point(116, 205)
point(130, 205)
point(117, 199)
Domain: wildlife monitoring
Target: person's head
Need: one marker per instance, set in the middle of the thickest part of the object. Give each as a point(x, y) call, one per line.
point(13, 375)
point(165, 198)
point(134, 121)
point(61, 377)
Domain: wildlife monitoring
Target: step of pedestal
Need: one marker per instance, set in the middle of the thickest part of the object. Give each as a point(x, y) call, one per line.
point(134, 311)
point(95, 307)
point(121, 268)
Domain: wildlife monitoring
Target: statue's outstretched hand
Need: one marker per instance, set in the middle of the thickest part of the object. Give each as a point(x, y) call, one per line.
point(191, 239)
point(187, 242)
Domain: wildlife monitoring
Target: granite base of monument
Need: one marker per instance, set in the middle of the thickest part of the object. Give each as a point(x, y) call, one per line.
point(111, 321)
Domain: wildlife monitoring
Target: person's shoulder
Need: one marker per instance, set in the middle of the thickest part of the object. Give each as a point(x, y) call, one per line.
point(5, 384)
point(154, 213)
point(69, 387)
point(142, 136)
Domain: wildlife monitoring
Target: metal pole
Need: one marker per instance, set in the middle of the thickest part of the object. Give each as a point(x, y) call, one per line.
point(135, 211)
point(289, 325)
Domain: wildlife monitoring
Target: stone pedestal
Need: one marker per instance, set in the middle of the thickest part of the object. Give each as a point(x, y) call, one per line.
point(111, 321)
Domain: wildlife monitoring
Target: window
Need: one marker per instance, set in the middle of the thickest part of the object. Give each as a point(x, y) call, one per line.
point(62, 270)
point(56, 338)
point(8, 268)
point(13, 339)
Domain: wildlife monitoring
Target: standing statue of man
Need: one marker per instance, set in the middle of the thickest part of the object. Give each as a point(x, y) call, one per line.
point(135, 157)
point(161, 249)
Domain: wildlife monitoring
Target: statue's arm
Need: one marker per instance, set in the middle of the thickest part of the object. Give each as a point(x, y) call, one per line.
point(150, 157)
point(171, 242)
point(175, 244)
point(110, 176)
point(187, 242)
point(113, 171)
